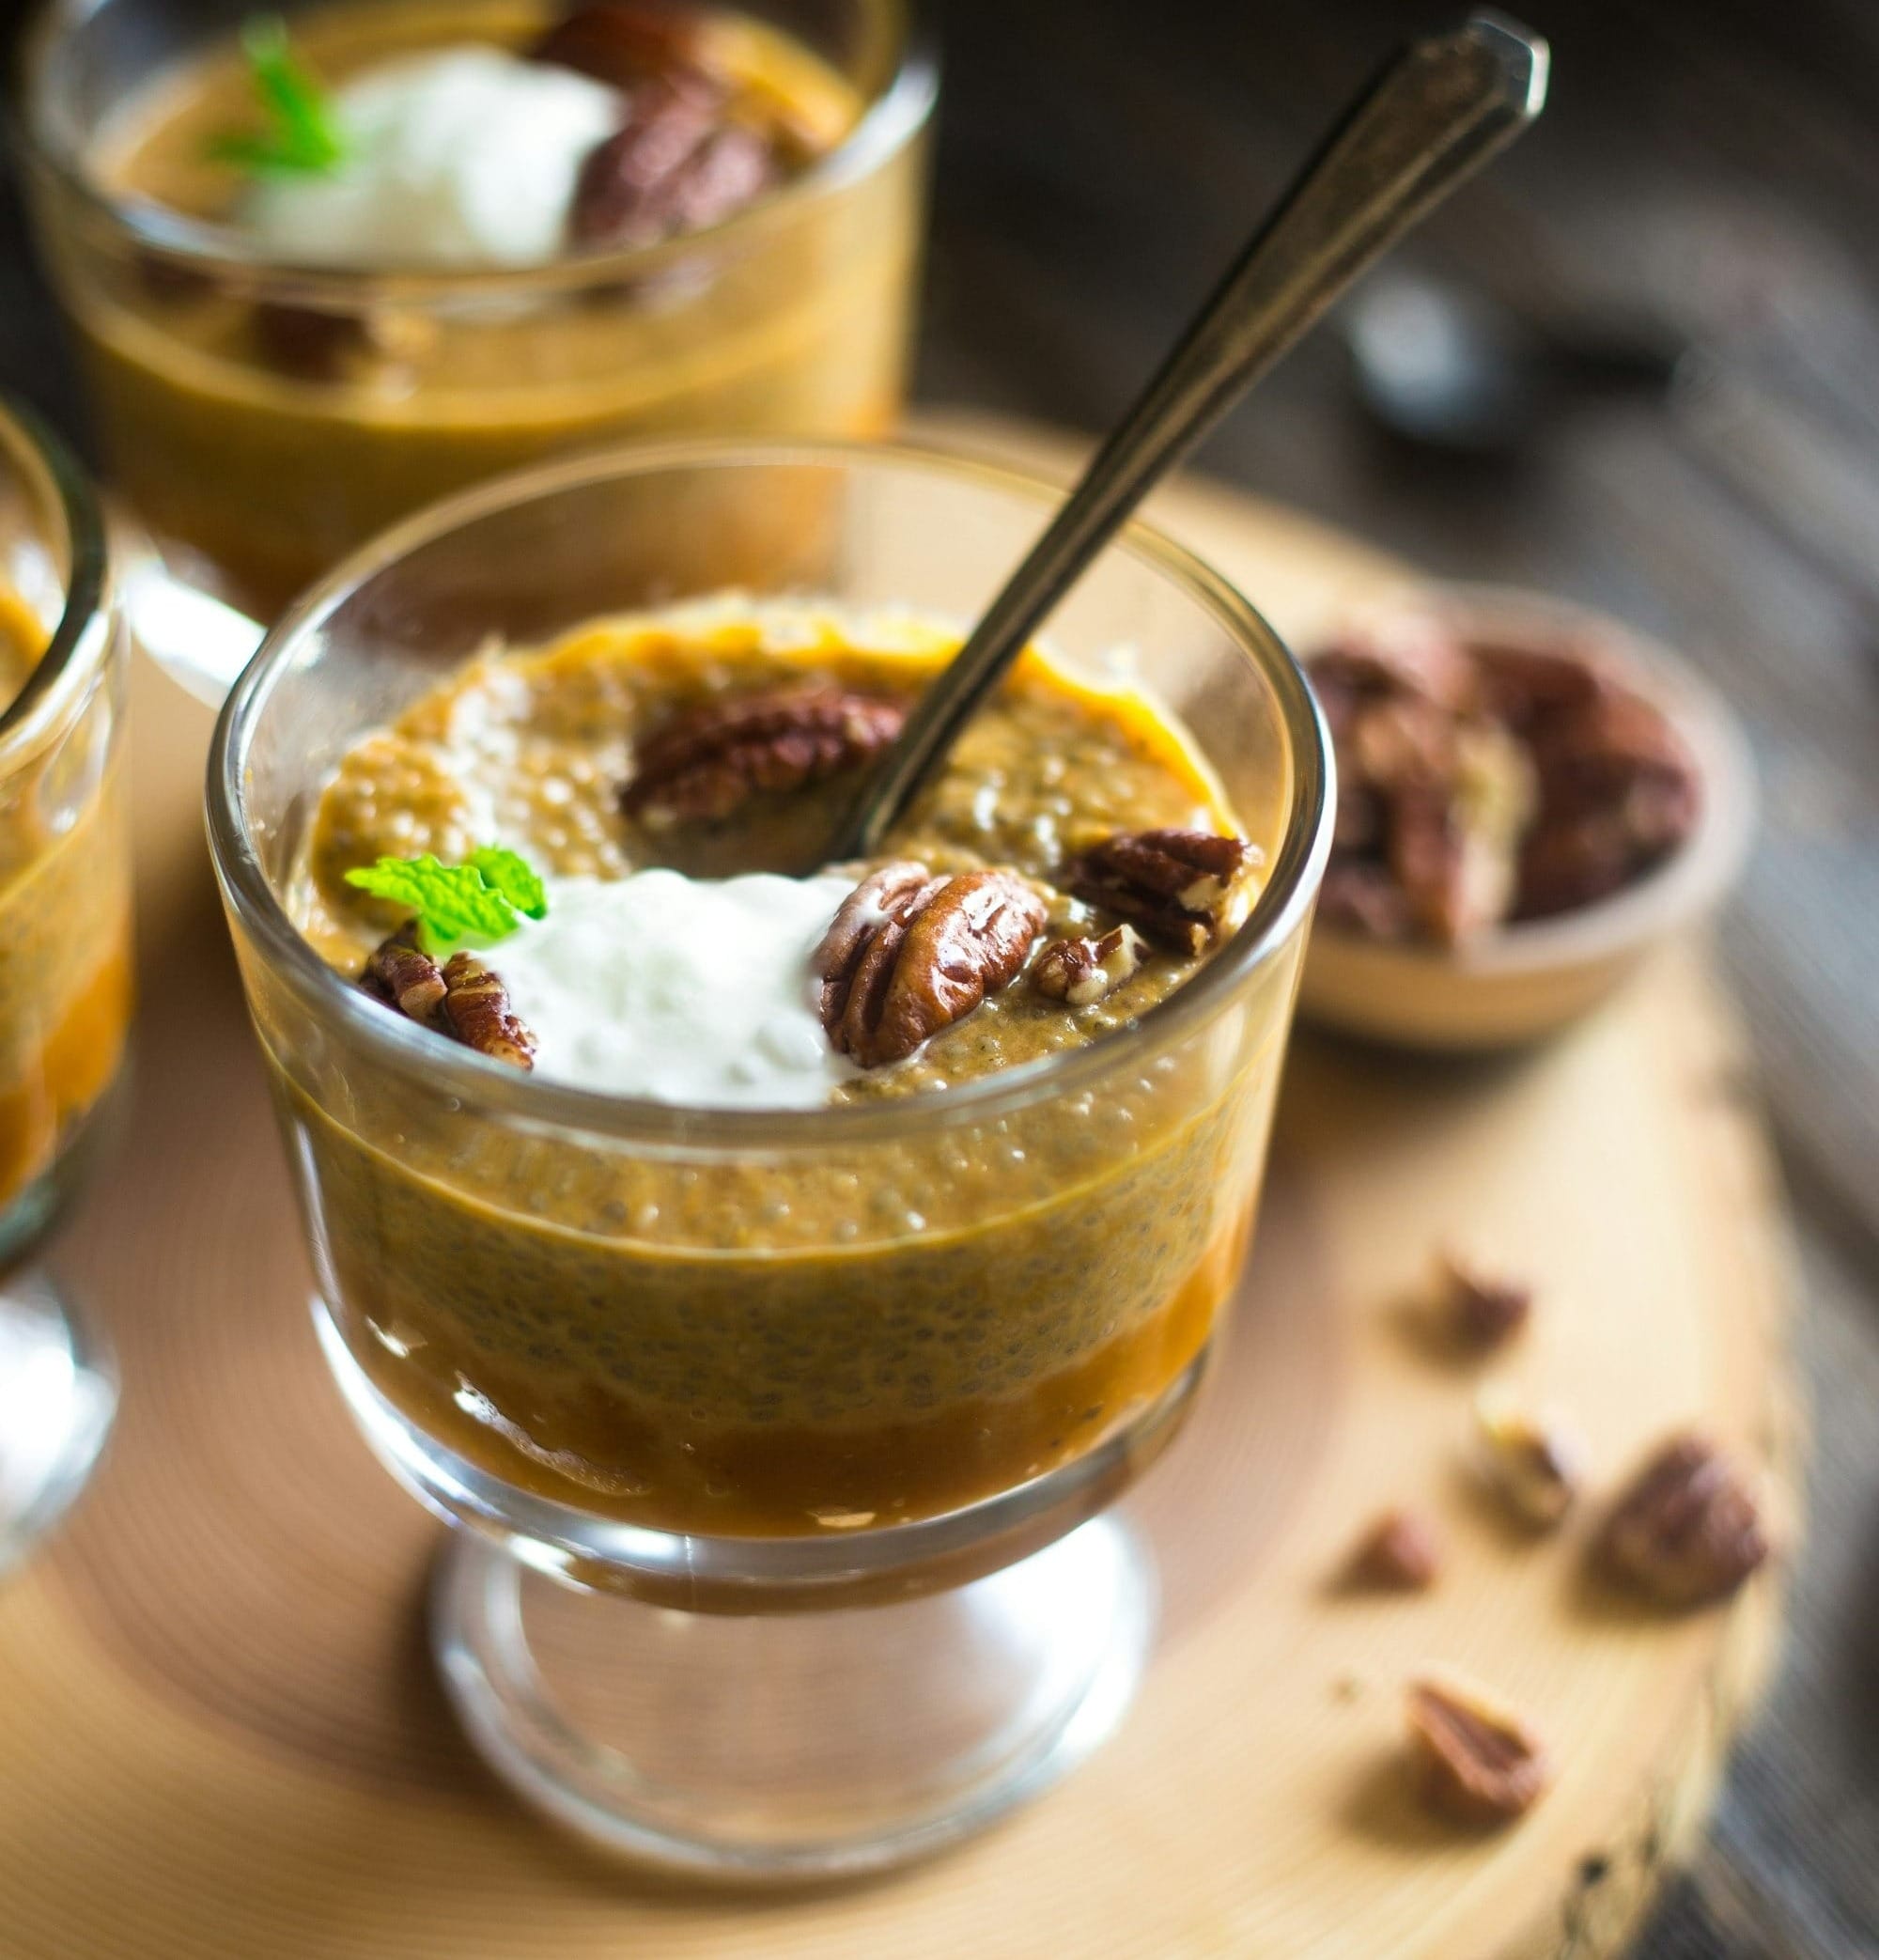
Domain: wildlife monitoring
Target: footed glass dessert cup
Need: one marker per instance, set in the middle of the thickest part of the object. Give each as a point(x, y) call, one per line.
point(264, 417)
point(64, 954)
point(781, 1445)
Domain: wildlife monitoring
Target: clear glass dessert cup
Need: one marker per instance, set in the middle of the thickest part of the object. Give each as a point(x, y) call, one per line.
point(264, 419)
point(64, 956)
point(780, 1444)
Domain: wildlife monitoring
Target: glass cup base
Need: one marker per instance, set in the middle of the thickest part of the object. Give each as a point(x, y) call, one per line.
point(58, 1396)
point(794, 1747)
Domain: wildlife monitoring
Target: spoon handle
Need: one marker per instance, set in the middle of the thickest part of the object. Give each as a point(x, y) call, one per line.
point(1429, 120)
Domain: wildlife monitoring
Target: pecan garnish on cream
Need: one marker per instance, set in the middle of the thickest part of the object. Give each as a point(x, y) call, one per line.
point(1688, 1530)
point(1081, 971)
point(476, 1011)
point(683, 158)
point(713, 757)
point(909, 954)
point(461, 999)
point(400, 973)
point(1174, 886)
point(1477, 1760)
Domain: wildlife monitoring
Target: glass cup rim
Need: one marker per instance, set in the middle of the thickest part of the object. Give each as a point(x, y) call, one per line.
point(64, 491)
point(887, 125)
point(409, 1052)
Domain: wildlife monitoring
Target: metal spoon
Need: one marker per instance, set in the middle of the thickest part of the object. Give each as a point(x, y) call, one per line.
point(1434, 115)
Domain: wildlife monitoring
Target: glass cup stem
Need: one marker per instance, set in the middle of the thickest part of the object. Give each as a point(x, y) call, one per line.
point(804, 1746)
point(58, 1392)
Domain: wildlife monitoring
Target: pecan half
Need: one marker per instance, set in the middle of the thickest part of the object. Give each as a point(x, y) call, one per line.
point(476, 1011)
point(1688, 1530)
point(1401, 651)
point(677, 166)
point(621, 43)
point(711, 758)
point(1174, 885)
point(1483, 1308)
point(1477, 1760)
point(1083, 971)
point(884, 898)
point(1360, 897)
point(1537, 1467)
point(404, 976)
point(932, 954)
point(1399, 1553)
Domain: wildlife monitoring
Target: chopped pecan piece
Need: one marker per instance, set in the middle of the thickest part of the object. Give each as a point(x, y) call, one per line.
point(713, 757)
point(1083, 971)
point(1537, 1468)
point(404, 976)
point(1399, 1552)
point(1688, 1530)
point(1484, 1309)
point(1174, 885)
point(476, 1011)
point(1477, 1760)
point(912, 958)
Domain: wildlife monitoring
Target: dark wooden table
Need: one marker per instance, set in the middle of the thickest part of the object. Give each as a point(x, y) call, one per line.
point(1709, 166)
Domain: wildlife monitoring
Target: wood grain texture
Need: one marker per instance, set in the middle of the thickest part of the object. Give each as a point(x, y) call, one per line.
point(1718, 159)
point(223, 1738)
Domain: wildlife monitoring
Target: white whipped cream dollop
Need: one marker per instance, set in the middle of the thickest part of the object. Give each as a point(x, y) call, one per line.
point(694, 991)
point(465, 157)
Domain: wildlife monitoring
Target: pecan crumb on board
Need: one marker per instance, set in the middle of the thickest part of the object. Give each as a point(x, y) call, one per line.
point(1476, 1760)
point(1686, 1530)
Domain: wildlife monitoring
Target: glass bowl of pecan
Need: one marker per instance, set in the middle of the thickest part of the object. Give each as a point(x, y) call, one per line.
point(1531, 797)
point(330, 259)
point(794, 1265)
point(65, 953)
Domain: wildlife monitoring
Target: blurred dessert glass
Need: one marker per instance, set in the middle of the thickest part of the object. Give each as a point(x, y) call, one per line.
point(902, 1351)
point(65, 951)
point(264, 417)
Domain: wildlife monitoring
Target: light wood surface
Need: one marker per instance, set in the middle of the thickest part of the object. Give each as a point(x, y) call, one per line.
point(222, 1735)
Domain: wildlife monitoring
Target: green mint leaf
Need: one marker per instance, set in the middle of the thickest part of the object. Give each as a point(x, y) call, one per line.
point(451, 902)
point(513, 878)
point(302, 136)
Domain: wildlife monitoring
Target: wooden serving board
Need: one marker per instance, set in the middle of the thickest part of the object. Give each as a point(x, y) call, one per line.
point(222, 1737)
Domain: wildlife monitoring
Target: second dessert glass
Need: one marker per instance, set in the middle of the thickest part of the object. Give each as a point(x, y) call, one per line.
point(696, 1638)
point(263, 418)
point(65, 952)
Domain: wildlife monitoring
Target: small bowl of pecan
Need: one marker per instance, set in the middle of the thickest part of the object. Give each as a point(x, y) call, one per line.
point(1531, 797)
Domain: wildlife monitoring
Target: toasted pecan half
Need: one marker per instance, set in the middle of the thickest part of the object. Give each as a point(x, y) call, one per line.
point(712, 758)
point(1172, 885)
point(907, 954)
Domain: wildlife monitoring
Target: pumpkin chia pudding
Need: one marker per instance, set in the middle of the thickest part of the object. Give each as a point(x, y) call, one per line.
point(323, 274)
point(65, 951)
point(573, 858)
